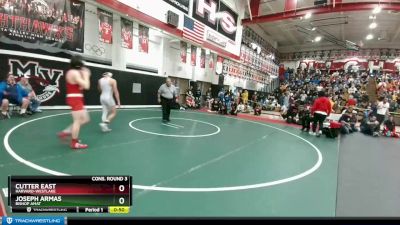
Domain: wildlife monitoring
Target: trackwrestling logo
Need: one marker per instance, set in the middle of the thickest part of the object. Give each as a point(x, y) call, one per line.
point(44, 81)
point(34, 220)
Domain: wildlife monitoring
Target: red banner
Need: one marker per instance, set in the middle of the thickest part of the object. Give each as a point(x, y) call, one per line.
point(126, 33)
point(105, 26)
point(183, 51)
point(219, 65)
point(203, 58)
point(55, 23)
point(193, 55)
point(211, 61)
point(143, 39)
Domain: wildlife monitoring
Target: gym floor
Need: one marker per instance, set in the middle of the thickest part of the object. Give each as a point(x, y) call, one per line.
point(199, 165)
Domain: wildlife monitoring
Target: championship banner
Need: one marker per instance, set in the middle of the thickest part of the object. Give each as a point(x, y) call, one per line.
point(211, 61)
point(193, 55)
point(203, 58)
point(242, 53)
point(55, 23)
point(219, 65)
point(105, 26)
point(183, 51)
point(143, 39)
point(126, 33)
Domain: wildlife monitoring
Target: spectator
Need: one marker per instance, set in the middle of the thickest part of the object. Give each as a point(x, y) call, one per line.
point(303, 97)
point(234, 108)
point(240, 107)
point(389, 129)
point(197, 96)
point(257, 110)
point(209, 98)
point(221, 95)
point(222, 108)
point(240, 96)
point(245, 97)
point(215, 105)
point(320, 110)
point(11, 92)
point(351, 102)
point(382, 110)
point(306, 119)
point(348, 122)
point(352, 89)
point(34, 101)
point(370, 126)
point(254, 99)
point(190, 102)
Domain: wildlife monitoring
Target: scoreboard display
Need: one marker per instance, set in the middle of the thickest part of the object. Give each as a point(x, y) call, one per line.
point(70, 194)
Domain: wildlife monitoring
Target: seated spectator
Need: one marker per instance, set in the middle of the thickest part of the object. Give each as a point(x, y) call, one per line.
point(305, 116)
point(370, 126)
point(209, 98)
point(222, 108)
point(234, 108)
point(352, 89)
point(291, 113)
point(240, 107)
point(215, 106)
point(351, 102)
point(190, 102)
point(348, 121)
point(34, 101)
point(257, 110)
point(246, 108)
point(389, 129)
point(11, 92)
point(189, 98)
point(303, 97)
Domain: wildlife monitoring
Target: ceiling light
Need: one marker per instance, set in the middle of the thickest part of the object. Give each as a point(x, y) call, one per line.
point(314, 28)
point(373, 25)
point(307, 16)
point(377, 10)
point(369, 37)
point(318, 38)
point(372, 17)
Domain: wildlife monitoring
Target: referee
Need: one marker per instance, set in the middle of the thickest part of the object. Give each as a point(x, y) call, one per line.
point(167, 96)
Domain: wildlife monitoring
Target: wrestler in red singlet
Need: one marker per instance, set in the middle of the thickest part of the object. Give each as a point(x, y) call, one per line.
point(77, 79)
point(74, 97)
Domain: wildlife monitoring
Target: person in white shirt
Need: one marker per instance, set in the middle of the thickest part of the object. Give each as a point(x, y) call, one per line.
point(382, 110)
point(303, 97)
point(352, 89)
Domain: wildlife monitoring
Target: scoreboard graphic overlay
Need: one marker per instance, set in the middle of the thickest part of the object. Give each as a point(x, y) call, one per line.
point(70, 194)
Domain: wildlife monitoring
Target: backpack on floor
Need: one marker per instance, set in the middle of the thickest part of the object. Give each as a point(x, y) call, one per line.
point(331, 129)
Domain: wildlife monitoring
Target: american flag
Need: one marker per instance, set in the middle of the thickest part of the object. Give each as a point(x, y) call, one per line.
point(193, 30)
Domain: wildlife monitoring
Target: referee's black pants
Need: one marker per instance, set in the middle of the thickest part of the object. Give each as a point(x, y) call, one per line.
point(166, 105)
point(318, 120)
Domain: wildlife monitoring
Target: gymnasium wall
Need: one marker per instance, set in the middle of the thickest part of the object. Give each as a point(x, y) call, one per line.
point(129, 65)
point(47, 77)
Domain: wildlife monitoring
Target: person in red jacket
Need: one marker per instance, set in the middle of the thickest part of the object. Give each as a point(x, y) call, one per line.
point(351, 102)
point(320, 110)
